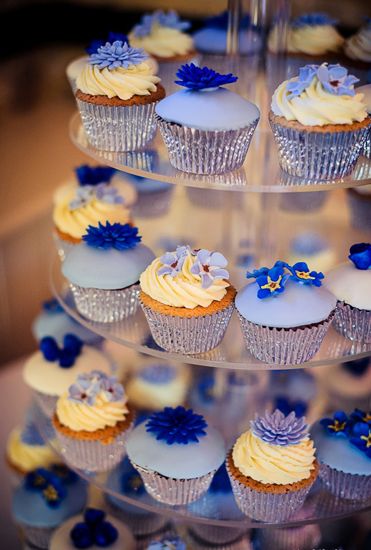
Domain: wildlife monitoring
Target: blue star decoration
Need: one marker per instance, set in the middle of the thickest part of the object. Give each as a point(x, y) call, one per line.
point(48, 485)
point(112, 37)
point(177, 425)
point(336, 425)
point(116, 235)
point(93, 531)
point(93, 175)
point(66, 355)
point(360, 255)
point(271, 283)
point(202, 78)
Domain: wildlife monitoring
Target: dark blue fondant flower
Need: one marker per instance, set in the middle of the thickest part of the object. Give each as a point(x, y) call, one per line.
point(116, 235)
point(255, 273)
point(177, 425)
point(278, 429)
point(336, 425)
point(132, 484)
point(47, 484)
point(360, 416)
point(302, 274)
point(302, 82)
point(52, 306)
point(202, 78)
point(112, 37)
point(313, 19)
point(336, 80)
point(37, 479)
point(286, 406)
point(117, 54)
point(360, 436)
point(92, 175)
point(272, 283)
point(65, 355)
point(93, 531)
point(220, 21)
point(360, 255)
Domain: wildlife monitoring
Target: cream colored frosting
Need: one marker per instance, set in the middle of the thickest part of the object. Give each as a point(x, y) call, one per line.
point(310, 39)
point(80, 416)
point(119, 82)
point(358, 46)
point(350, 285)
point(276, 464)
point(28, 457)
point(183, 290)
point(317, 107)
point(163, 42)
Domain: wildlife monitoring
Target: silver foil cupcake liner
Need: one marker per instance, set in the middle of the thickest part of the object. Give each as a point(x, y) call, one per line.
point(188, 334)
point(290, 346)
point(353, 323)
point(38, 536)
point(306, 537)
point(174, 491)
point(140, 525)
point(318, 156)
point(47, 403)
point(106, 306)
point(212, 534)
point(118, 128)
point(152, 205)
point(346, 486)
point(205, 152)
point(197, 543)
point(360, 210)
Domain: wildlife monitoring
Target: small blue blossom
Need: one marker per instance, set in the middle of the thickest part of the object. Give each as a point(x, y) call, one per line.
point(297, 86)
point(313, 19)
point(336, 80)
point(360, 436)
point(117, 54)
point(112, 37)
point(54, 493)
point(336, 425)
point(167, 543)
point(109, 194)
point(302, 274)
point(272, 283)
point(52, 306)
point(210, 267)
point(112, 388)
point(206, 387)
point(93, 531)
point(65, 355)
point(92, 175)
point(37, 479)
point(172, 262)
point(360, 416)
point(89, 385)
point(202, 78)
point(118, 236)
point(159, 18)
point(360, 255)
point(47, 484)
point(177, 425)
point(264, 270)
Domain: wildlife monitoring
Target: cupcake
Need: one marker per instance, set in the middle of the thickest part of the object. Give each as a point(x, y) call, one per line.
point(319, 123)
point(285, 313)
point(154, 197)
point(104, 270)
point(45, 499)
point(92, 530)
point(206, 128)
point(187, 299)
point(344, 453)
point(50, 371)
point(176, 453)
point(272, 467)
point(116, 95)
point(92, 422)
point(351, 284)
point(358, 46)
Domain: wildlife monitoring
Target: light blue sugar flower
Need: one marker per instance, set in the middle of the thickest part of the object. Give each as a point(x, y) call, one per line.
point(117, 54)
point(210, 267)
point(173, 261)
point(336, 80)
point(302, 82)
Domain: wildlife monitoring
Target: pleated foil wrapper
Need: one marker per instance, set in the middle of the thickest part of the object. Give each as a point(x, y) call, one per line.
point(306, 537)
point(360, 210)
point(141, 525)
point(318, 156)
point(367, 146)
point(205, 152)
point(212, 534)
point(106, 306)
point(47, 403)
point(38, 537)
point(353, 323)
point(116, 128)
point(197, 543)
point(188, 334)
point(346, 486)
point(290, 346)
point(174, 491)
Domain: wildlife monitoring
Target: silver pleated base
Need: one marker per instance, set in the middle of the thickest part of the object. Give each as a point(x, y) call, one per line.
point(106, 306)
point(347, 486)
point(115, 128)
point(38, 536)
point(360, 210)
point(205, 152)
point(353, 323)
point(47, 403)
point(140, 525)
point(318, 156)
point(174, 491)
point(286, 346)
point(367, 146)
point(188, 334)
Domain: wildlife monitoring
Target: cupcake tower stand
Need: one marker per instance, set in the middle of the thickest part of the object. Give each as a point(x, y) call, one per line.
point(251, 216)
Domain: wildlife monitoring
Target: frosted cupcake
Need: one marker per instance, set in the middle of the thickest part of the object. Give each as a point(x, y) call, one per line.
point(319, 122)
point(187, 299)
point(285, 313)
point(358, 46)
point(351, 284)
point(92, 422)
point(50, 371)
point(176, 454)
point(206, 128)
point(116, 95)
point(272, 467)
point(104, 270)
point(344, 453)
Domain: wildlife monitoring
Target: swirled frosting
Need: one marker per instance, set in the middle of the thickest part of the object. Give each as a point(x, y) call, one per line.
point(276, 464)
point(358, 46)
point(120, 82)
point(311, 40)
point(28, 457)
point(163, 42)
point(317, 107)
point(182, 290)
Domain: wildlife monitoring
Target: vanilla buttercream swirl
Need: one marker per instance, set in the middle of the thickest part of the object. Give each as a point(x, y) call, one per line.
point(28, 457)
point(276, 464)
point(182, 290)
point(163, 42)
point(310, 40)
point(358, 46)
point(80, 416)
point(317, 107)
point(120, 82)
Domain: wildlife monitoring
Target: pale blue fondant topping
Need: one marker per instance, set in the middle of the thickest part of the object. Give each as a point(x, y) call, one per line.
point(337, 452)
point(106, 269)
point(58, 325)
point(219, 109)
point(299, 305)
point(214, 41)
point(176, 461)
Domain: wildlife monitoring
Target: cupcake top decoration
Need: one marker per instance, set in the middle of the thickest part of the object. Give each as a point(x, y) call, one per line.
point(177, 425)
point(202, 78)
point(116, 235)
point(132, 484)
point(90, 385)
point(93, 175)
point(117, 54)
point(101, 191)
point(333, 78)
point(278, 429)
point(65, 355)
point(112, 37)
point(158, 374)
point(360, 255)
point(47, 484)
point(356, 428)
point(313, 19)
point(93, 531)
point(167, 543)
point(159, 18)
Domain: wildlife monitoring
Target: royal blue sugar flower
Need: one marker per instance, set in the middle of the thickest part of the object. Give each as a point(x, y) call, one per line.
point(336, 80)
point(302, 274)
point(92, 175)
point(278, 429)
point(132, 484)
point(63, 473)
point(297, 86)
point(336, 425)
point(65, 355)
point(179, 425)
point(47, 484)
point(93, 531)
point(360, 255)
point(112, 37)
point(52, 306)
point(360, 436)
point(118, 236)
point(313, 19)
point(286, 406)
point(117, 54)
point(264, 270)
point(210, 267)
point(202, 78)
point(37, 479)
point(220, 21)
point(54, 493)
point(272, 283)
point(360, 416)
point(158, 374)
point(172, 262)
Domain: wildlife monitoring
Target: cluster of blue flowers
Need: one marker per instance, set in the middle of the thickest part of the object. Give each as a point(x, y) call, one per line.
point(177, 425)
point(89, 385)
point(48, 484)
point(159, 18)
point(333, 78)
point(93, 531)
point(356, 428)
point(360, 255)
point(202, 78)
point(66, 355)
point(116, 235)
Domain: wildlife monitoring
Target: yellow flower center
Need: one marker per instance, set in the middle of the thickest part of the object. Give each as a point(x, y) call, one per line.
point(303, 275)
point(367, 438)
point(50, 493)
point(272, 285)
point(367, 417)
point(337, 426)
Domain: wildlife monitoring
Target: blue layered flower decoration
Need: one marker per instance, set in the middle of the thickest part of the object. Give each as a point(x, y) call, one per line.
point(112, 37)
point(92, 175)
point(210, 267)
point(286, 406)
point(159, 18)
point(278, 429)
point(177, 425)
point(158, 374)
point(272, 283)
point(89, 385)
point(297, 86)
point(172, 262)
point(117, 54)
point(132, 484)
point(339, 424)
point(93, 531)
point(202, 78)
point(117, 236)
point(336, 80)
point(302, 274)
point(360, 255)
point(360, 436)
point(66, 355)
point(52, 306)
point(313, 20)
point(220, 21)
point(47, 484)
